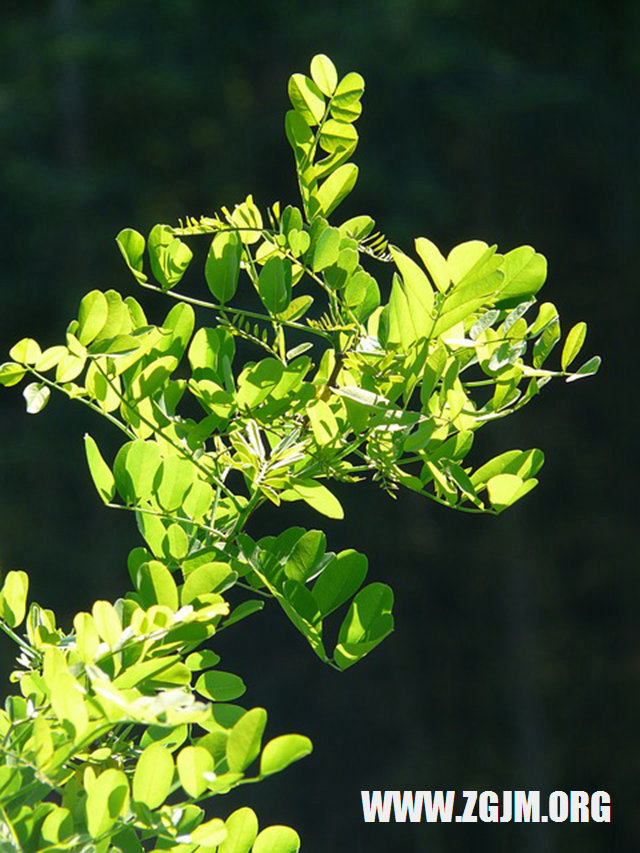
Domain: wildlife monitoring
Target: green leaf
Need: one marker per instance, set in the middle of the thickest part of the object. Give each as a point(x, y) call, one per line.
point(202, 660)
point(277, 839)
point(319, 498)
point(100, 472)
point(525, 271)
point(107, 622)
point(58, 825)
point(465, 260)
point(573, 344)
point(362, 295)
point(245, 738)
point(37, 396)
point(498, 465)
point(257, 381)
point(180, 322)
point(326, 249)
point(368, 606)
point(503, 490)
point(192, 763)
point(173, 479)
point(135, 468)
point(209, 834)
point(283, 751)
point(248, 219)
point(545, 343)
point(169, 256)
point(411, 302)
point(297, 308)
point(341, 579)
point(337, 137)
point(11, 373)
point(210, 577)
point(323, 422)
point(175, 545)
point(274, 284)
point(358, 227)
point(222, 267)
point(242, 829)
point(435, 263)
point(131, 245)
point(209, 348)
point(345, 104)
point(336, 188)
point(92, 316)
point(547, 313)
point(220, 686)
point(107, 800)
point(156, 585)
point(299, 135)
point(324, 74)
point(13, 598)
point(153, 776)
point(242, 611)
point(307, 99)
point(367, 623)
point(26, 351)
point(306, 555)
point(589, 368)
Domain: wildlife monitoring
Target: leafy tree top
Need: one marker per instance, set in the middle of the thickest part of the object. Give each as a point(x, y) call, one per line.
point(355, 359)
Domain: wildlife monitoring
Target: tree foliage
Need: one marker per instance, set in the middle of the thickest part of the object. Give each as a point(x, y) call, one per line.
point(370, 361)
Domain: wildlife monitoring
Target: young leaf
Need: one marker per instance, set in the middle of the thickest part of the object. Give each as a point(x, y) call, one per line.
point(93, 314)
point(306, 98)
point(525, 271)
point(245, 738)
point(11, 373)
point(220, 686)
point(345, 104)
point(504, 490)
point(26, 351)
point(573, 344)
point(135, 468)
point(274, 284)
point(131, 245)
point(13, 598)
point(341, 579)
point(435, 263)
point(368, 621)
point(107, 799)
point(283, 751)
point(222, 266)
point(169, 256)
point(323, 422)
point(242, 829)
point(156, 585)
point(277, 839)
point(336, 188)
point(589, 368)
point(100, 472)
point(36, 395)
point(318, 497)
point(192, 763)
point(153, 776)
point(209, 834)
point(324, 74)
point(326, 249)
point(173, 479)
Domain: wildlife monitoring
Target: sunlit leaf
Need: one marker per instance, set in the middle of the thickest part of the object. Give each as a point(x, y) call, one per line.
point(153, 776)
point(283, 751)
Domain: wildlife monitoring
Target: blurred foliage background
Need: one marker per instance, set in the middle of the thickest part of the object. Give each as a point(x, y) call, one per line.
point(516, 659)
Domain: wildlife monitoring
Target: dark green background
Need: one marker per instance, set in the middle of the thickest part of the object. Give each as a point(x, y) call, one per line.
point(516, 659)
